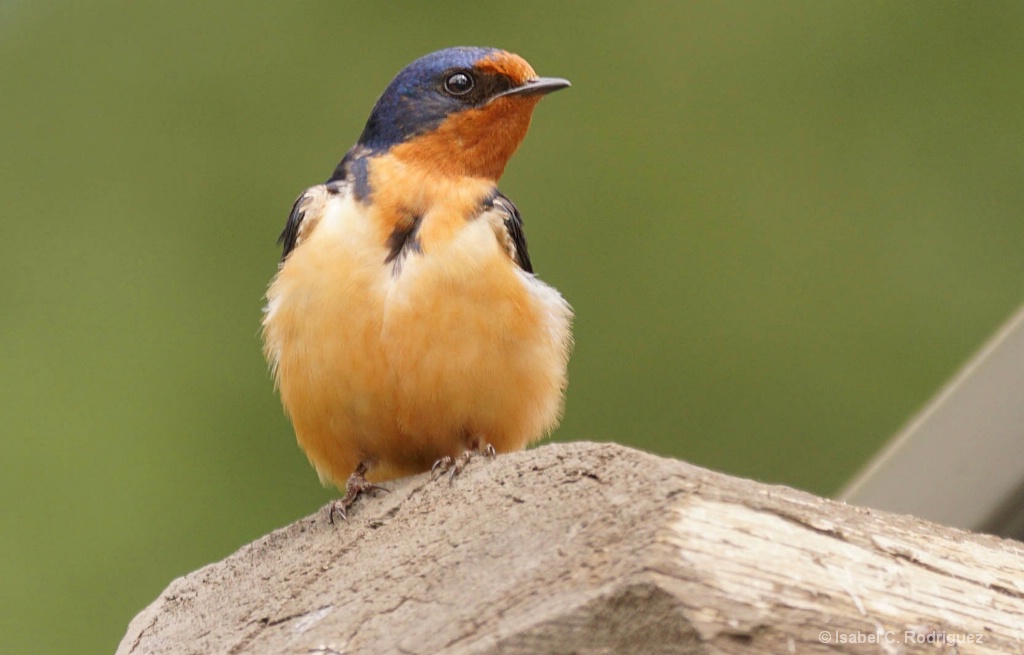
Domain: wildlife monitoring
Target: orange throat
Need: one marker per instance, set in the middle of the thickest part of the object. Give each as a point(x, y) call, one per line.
point(472, 143)
point(413, 191)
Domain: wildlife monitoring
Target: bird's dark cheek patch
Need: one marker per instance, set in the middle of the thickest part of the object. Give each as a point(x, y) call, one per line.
point(361, 178)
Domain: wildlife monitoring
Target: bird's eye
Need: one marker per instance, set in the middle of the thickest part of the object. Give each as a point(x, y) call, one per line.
point(458, 84)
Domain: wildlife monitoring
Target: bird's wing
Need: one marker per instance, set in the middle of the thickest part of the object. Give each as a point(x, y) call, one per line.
point(513, 223)
point(349, 176)
point(303, 218)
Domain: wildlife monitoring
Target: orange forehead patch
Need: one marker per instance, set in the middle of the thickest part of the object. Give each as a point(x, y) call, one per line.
point(508, 64)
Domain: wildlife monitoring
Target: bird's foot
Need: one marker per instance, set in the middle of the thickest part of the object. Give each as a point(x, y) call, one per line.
point(356, 485)
point(454, 465)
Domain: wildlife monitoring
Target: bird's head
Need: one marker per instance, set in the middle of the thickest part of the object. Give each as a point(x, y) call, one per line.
point(459, 111)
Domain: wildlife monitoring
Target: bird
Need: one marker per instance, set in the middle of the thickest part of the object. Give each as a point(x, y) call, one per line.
point(405, 328)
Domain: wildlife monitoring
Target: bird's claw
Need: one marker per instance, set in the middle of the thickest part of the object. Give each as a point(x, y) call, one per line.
point(338, 506)
point(440, 466)
point(356, 485)
point(450, 465)
point(454, 465)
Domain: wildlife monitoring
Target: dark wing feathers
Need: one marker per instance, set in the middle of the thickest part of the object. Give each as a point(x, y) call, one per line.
point(350, 175)
point(306, 212)
point(290, 235)
point(514, 228)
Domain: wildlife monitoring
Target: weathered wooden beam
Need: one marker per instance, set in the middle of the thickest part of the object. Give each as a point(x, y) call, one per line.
point(597, 548)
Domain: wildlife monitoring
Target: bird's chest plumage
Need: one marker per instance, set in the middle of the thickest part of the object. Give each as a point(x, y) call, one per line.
point(400, 357)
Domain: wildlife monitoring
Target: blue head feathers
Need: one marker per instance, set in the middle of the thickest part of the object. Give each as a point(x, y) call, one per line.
point(421, 96)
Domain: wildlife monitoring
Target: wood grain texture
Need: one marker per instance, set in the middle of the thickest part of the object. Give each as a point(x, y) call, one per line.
point(596, 548)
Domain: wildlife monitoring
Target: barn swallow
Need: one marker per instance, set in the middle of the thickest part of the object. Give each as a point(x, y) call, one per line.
point(405, 327)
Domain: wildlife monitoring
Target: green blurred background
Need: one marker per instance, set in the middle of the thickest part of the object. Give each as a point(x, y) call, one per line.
point(782, 225)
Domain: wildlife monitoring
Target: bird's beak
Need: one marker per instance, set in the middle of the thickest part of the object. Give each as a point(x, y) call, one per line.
point(537, 86)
